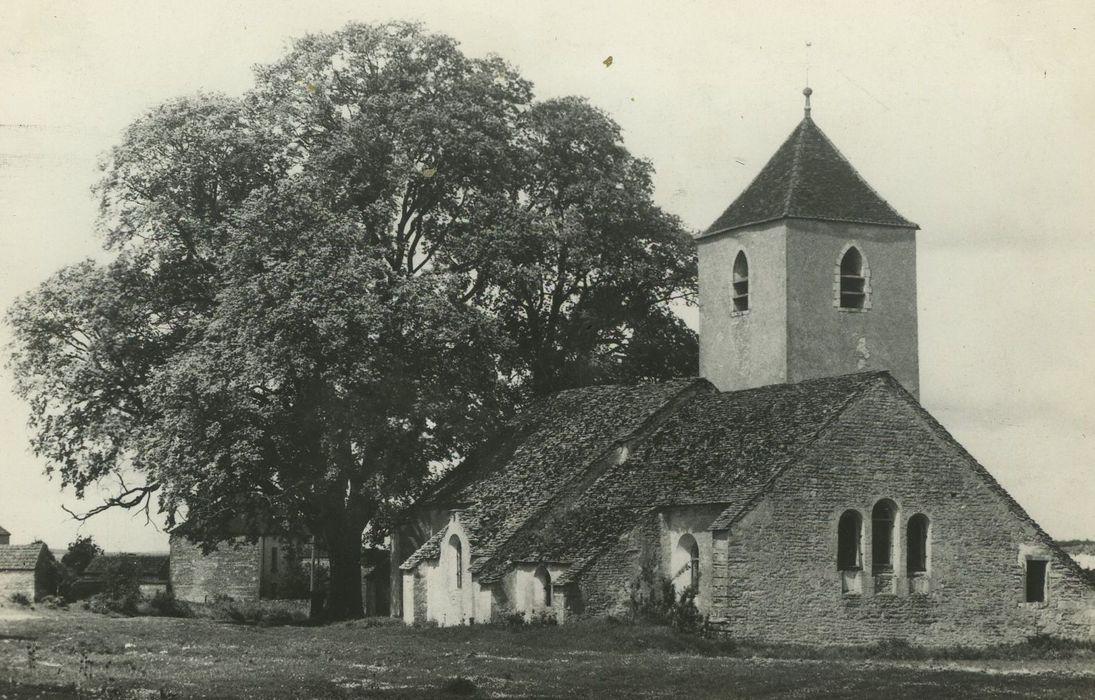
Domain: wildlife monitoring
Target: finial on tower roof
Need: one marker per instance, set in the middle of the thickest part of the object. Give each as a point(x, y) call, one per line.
point(807, 92)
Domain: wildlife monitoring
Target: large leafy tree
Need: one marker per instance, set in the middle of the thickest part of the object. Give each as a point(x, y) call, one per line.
point(316, 292)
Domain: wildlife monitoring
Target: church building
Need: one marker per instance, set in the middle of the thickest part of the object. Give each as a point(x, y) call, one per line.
point(797, 485)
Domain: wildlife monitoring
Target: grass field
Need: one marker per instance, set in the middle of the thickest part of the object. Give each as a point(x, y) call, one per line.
point(67, 654)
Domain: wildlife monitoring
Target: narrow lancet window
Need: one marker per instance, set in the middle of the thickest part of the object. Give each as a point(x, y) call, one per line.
point(741, 282)
point(456, 550)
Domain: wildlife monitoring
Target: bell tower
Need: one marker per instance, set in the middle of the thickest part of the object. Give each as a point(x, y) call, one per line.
point(808, 273)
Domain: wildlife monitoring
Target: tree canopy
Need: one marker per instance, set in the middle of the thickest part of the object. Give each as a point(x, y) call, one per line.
point(318, 290)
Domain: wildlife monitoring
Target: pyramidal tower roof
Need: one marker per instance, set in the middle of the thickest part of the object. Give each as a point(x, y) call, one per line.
point(808, 178)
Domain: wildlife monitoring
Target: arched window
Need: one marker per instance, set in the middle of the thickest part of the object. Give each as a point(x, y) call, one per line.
point(741, 282)
point(882, 525)
point(542, 593)
point(853, 280)
point(916, 547)
point(456, 550)
point(849, 548)
point(694, 564)
point(686, 563)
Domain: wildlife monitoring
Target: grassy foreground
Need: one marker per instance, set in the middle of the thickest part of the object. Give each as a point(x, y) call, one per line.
point(68, 654)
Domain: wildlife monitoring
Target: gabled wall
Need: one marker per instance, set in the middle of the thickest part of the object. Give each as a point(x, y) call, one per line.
point(779, 561)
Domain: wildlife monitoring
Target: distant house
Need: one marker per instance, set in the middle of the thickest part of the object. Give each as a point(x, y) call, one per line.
point(29, 569)
point(251, 565)
point(153, 572)
point(5, 536)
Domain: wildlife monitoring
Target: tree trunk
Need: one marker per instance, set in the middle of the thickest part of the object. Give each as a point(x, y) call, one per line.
point(344, 589)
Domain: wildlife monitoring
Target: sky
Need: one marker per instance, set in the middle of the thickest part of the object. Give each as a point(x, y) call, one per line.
point(973, 119)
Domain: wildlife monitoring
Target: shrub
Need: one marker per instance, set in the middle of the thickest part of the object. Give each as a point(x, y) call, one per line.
point(104, 604)
point(543, 618)
point(683, 615)
point(164, 604)
point(20, 599)
point(260, 612)
point(53, 602)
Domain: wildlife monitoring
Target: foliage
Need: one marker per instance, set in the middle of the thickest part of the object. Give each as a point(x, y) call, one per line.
point(256, 612)
point(683, 615)
point(651, 594)
point(459, 685)
point(80, 553)
point(316, 291)
point(164, 604)
point(20, 599)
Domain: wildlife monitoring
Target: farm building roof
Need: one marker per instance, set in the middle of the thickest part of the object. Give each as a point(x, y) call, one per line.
point(3, 531)
point(808, 178)
point(150, 567)
point(21, 557)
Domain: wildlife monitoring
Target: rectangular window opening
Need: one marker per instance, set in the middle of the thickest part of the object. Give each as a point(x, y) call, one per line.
point(1036, 580)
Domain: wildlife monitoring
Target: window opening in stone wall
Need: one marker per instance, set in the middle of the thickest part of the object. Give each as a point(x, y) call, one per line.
point(882, 524)
point(273, 560)
point(741, 282)
point(1036, 580)
point(849, 551)
point(853, 281)
point(694, 564)
point(457, 551)
point(916, 550)
point(543, 587)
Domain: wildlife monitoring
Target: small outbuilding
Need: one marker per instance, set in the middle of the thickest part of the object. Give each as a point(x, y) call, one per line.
point(27, 569)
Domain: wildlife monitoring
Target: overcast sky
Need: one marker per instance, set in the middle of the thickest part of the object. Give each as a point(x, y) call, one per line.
point(973, 119)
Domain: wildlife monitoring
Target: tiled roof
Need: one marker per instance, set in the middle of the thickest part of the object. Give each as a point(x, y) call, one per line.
point(708, 448)
point(714, 448)
point(808, 178)
point(150, 567)
point(554, 446)
point(20, 557)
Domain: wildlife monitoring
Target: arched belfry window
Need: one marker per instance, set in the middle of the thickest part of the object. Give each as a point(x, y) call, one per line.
point(456, 550)
point(741, 282)
point(852, 278)
point(542, 595)
point(882, 527)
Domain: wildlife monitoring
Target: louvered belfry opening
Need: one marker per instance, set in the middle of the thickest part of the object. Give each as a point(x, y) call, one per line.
point(853, 281)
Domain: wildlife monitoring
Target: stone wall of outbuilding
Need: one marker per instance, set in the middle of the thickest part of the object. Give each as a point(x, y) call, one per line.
point(233, 570)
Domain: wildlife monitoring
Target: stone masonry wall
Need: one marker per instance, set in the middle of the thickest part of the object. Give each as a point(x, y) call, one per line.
point(12, 582)
point(777, 568)
point(232, 570)
point(605, 587)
